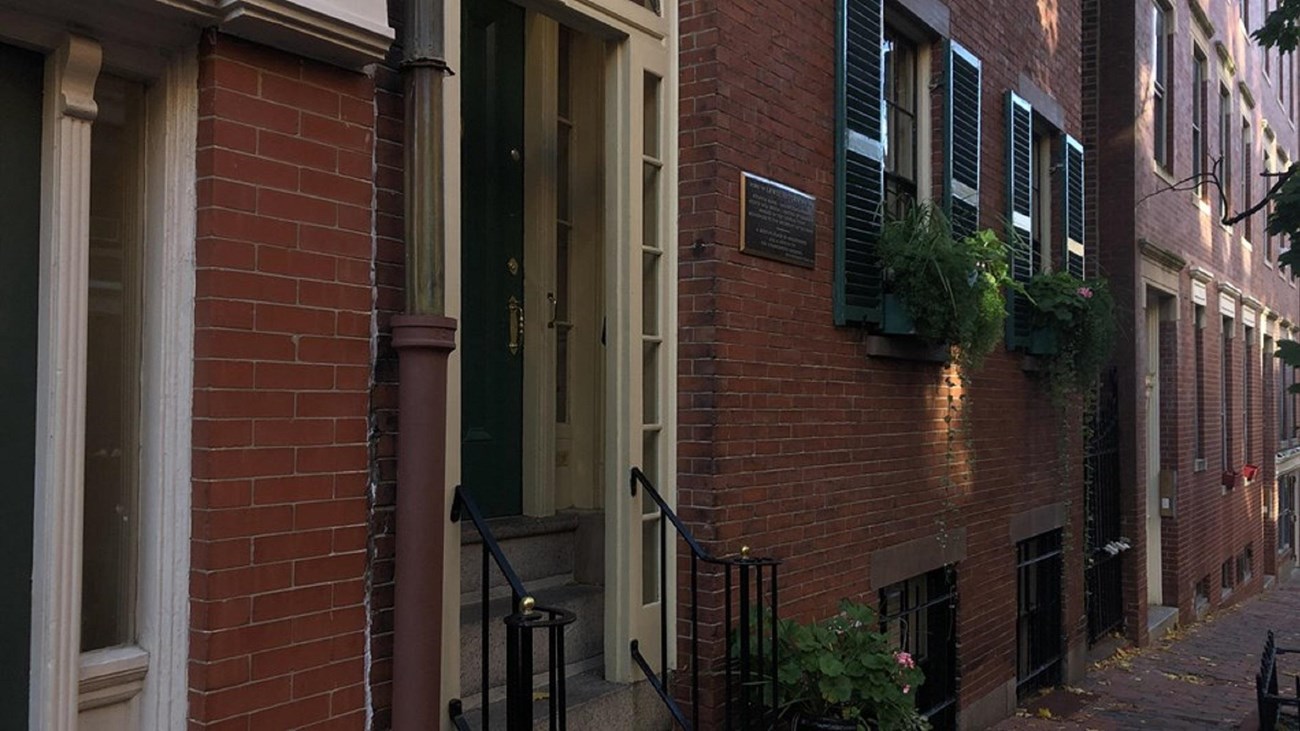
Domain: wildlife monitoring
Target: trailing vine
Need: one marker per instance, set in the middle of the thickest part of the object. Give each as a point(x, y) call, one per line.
point(954, 291)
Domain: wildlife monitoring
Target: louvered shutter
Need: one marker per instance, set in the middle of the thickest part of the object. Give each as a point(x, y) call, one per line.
point(1075, 254)
point(860, 161)
point(962, 173)
point(1020, 212)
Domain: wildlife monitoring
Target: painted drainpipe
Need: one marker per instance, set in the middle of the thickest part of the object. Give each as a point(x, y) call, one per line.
point(424, 338)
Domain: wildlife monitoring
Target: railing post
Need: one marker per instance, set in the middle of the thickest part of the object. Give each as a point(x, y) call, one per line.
point(727, 700)
point(695, 640)
point(744, 640)
point(776, 618)
point(485, 644)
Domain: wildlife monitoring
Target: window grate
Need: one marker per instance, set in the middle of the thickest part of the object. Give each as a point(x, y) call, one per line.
point(920, 616)
point(1039, 638)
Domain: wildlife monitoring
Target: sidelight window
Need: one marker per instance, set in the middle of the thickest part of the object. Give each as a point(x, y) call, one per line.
point(112, 368)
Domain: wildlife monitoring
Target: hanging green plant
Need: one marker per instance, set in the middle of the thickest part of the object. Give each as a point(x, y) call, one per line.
point(1074, 323)
point(953, 288)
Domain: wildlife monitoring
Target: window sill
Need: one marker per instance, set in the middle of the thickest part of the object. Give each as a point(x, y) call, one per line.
point(1201, 203)
point(112, 675)
point(1164, 174)
point(1199, 465)
point(907, 347)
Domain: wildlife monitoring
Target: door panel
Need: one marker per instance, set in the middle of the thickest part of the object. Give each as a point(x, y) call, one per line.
point(492, 259)
point(1155, 567)
point(20, 165)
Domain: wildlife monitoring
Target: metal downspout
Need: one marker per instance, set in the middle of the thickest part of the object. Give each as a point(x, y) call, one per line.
point(424, 338)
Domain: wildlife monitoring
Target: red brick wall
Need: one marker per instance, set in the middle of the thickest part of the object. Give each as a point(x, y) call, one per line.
point(792, 439)
point(282, 372)
point(1210, 526)
point(389, 281)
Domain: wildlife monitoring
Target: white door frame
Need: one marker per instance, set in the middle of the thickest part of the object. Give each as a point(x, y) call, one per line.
point(145, 682)
point(1154, 545)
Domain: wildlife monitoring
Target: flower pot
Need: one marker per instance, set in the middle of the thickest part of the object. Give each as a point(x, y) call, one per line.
point(1042, 341)
point(808, 723)
point(1228, 479)
point(896, 320)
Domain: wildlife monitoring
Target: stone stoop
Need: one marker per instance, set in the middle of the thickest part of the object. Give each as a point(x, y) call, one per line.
point(545, 552)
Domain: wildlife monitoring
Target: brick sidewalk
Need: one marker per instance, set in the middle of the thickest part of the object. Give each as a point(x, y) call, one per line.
point(1202, 677)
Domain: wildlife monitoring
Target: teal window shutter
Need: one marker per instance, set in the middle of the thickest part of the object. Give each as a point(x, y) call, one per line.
point(859, 161)
point(1020, 212)
point(961, 190)
point(1075, 253)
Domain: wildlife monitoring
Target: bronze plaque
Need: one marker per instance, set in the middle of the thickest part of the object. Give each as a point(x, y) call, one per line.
point(777, 221)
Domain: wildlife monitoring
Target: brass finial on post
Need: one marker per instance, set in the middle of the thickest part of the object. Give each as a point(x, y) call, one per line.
point(527, 604)
point(744, 551)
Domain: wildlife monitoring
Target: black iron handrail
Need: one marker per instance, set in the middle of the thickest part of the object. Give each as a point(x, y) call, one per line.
point(749, 664)
point(525, 617)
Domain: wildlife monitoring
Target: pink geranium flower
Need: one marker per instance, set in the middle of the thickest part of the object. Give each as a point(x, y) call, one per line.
point(1085, 292)
point(905, 659)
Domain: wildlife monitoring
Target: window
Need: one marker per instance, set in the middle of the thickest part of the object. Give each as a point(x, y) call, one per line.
point(112, 368)
point(1283, 164)
point(883, 151)
point(1225, 146)
point(1247, 393)
point(1162, 82)
point(1226, 577)
point(1270, 164)
point(920, 617)
point(900, 128)
point(1198, 414)
point(1268, 383)
point(1286, 407)
point(1286, 513)
point(1200, 88)
point(1247, 162)
point(1268, 52)
point(1202, 599)
point(1041, 223)
point(1037, 156)
point(1225, 396)
point(1038, 620)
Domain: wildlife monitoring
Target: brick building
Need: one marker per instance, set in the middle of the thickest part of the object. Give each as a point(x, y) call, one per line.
point(807, 429)
point(188, 243)
point(1173, 91)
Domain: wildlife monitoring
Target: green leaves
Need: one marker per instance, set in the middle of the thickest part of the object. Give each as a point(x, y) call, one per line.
point(841, 667)
point(1288, 351)
point(953, 288)
point(1281, 29)
point(1080, 314)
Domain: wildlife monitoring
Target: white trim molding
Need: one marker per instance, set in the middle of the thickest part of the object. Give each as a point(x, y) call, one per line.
point(70, 74)
point(167, 395)
point(347, 33)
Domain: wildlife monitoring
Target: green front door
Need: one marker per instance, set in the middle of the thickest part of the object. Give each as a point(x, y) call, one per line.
point(492, 258)
point(20, 203)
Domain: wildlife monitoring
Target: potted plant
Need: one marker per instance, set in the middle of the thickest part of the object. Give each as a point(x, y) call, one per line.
point(1073, 329)
point(942, 288)
point(841, 674)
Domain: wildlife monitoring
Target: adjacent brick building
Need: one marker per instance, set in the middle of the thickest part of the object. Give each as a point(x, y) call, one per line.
point(825, 445)
point(1184, 116)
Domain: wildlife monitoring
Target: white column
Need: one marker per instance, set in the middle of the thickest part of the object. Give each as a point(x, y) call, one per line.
point(167, 399)
point(70, 74)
